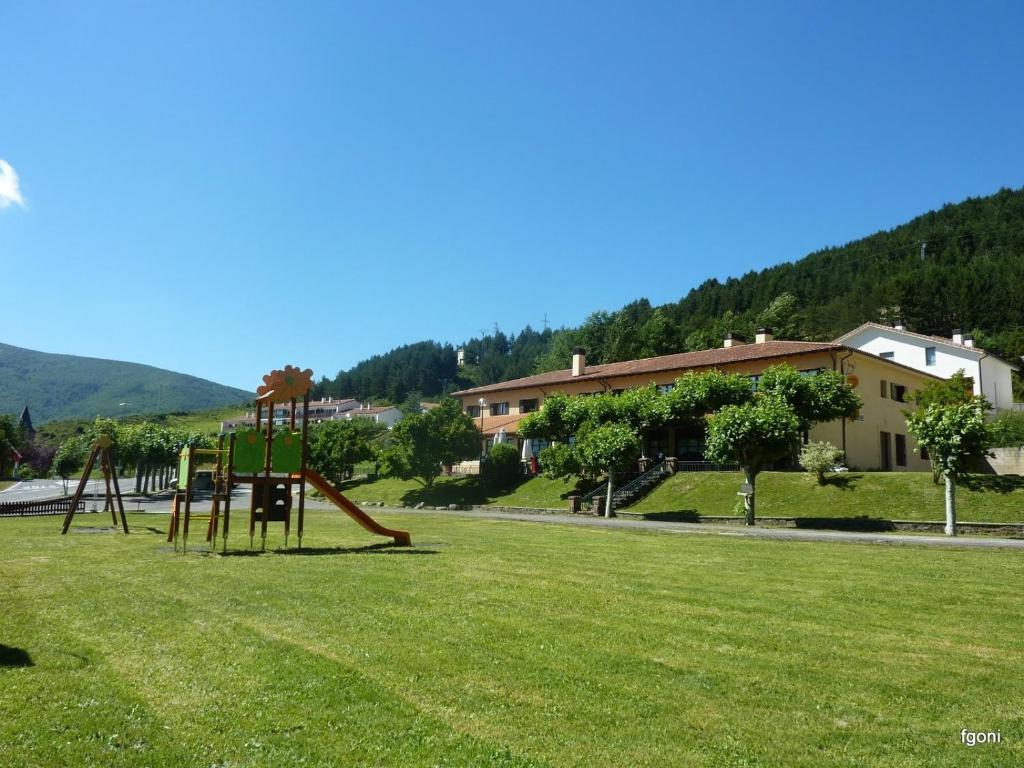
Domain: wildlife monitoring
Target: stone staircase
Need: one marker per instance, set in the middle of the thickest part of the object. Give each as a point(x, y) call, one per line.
point(631, 491)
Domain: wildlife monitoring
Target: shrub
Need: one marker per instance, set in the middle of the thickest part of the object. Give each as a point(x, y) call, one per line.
point(819, 458)
point(1008, 430)
point(559, 461)
point(501, 466)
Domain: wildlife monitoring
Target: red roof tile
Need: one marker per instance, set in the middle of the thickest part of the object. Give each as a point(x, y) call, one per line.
point(705, 358)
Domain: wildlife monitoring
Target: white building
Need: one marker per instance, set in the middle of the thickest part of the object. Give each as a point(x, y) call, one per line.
point(938, 356)
point(325, 409)
point(388, 415)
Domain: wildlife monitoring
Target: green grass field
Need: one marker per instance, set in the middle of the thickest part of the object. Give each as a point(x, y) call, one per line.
point(881, 495)
point(503, 644)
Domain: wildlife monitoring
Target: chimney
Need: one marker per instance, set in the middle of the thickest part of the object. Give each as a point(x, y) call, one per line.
point(579, 361)
point(899, 325)
point(733, 340)
point(968, 340)
point(763, 335)
point(958, 336)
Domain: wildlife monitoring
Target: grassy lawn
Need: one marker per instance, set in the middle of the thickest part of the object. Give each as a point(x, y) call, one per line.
point(503, 644)
point(6, 484)
point(883, 495)
point(536, 492)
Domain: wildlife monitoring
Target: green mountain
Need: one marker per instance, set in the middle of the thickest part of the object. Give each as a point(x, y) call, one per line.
point(68, 386)
point(959, 267)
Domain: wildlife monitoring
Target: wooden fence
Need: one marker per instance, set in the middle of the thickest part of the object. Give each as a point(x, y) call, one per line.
point(41, 507)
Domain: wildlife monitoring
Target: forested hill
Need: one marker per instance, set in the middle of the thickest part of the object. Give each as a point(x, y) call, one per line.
point(959, 267)
point(68, 386)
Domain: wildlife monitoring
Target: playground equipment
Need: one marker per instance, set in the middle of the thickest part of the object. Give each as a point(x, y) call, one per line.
point(102, 448)
point(272, 461)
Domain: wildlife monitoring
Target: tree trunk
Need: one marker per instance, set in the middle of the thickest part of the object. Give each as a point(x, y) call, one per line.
point(950, 506)
point(145, 479)
point(748, 500)
point(608, 511)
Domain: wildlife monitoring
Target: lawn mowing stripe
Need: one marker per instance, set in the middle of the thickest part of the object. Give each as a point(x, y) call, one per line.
point(68, 708)
point(577, 647)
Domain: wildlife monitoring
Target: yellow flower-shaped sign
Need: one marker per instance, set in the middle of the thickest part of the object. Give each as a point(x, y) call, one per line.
point(286, 384)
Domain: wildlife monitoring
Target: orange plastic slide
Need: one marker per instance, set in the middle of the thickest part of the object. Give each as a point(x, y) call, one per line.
point(401, 538)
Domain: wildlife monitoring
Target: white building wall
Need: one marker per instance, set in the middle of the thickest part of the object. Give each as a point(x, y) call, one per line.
point(991, 376)
point(996, 382)
point(910, 351)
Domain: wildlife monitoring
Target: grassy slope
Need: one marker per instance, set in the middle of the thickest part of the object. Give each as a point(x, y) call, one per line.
point(889, 495)
point(884, 495)
point(537, 492)
point(68, 386)
point(205, 422)
point(504, 644)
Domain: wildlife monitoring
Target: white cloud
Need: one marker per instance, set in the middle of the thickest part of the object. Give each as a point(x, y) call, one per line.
point(10, 193)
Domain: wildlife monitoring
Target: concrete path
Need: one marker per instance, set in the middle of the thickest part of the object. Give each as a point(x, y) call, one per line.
point(711, 529)
point(161, 505)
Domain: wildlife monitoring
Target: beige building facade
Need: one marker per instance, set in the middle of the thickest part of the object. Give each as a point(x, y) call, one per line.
point(876, 438)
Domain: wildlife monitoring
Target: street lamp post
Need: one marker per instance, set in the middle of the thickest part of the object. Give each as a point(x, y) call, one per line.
point(483, 441)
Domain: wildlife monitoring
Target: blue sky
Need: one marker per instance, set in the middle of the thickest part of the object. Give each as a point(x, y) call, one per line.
point(221, 189)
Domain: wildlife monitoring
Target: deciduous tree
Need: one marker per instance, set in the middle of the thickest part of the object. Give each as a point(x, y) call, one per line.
point(422, 443)
point(956, 436)
point(753, 435)
point(335, 447)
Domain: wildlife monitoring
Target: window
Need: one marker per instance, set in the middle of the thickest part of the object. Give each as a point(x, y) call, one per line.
point(885, 388)
point(886, 355)
point(897, 392)
point(901, 450)
point(754, 382)
point(690, 448)
point(924, 454)
point(473, 410)
point(499, 409)
point(536, 446)
point(663, 388)
point(528, 406)
point(811, 371)
point(929, 355)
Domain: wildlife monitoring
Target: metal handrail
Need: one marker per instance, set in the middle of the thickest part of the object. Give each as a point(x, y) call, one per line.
point(602, 488)
point(659, 468)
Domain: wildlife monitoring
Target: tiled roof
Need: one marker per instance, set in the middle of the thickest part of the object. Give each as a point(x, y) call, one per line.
point(927, 337)
point(705, 358)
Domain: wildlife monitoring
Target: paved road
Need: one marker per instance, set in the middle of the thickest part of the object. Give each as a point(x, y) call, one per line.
point(31, 490)
point(710, 529)
point(35, 490)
